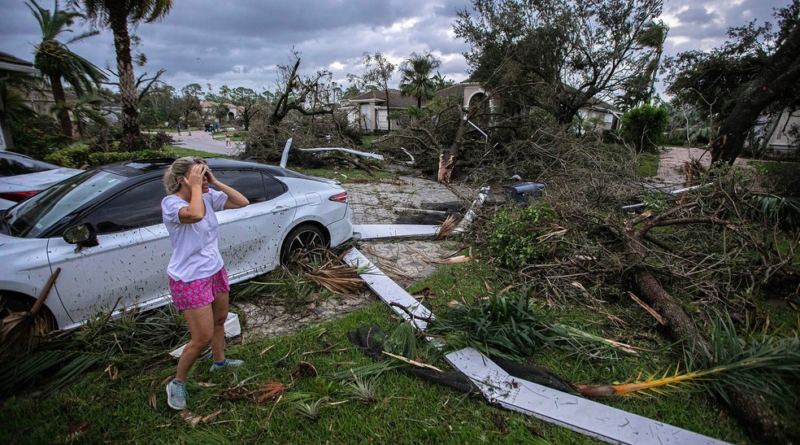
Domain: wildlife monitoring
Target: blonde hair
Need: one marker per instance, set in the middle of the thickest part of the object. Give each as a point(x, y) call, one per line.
point(178, 169)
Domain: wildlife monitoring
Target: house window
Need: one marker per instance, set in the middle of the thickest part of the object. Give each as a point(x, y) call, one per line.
point(608, 118)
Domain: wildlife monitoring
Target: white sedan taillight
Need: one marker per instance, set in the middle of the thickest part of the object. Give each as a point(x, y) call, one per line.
point(339, 197)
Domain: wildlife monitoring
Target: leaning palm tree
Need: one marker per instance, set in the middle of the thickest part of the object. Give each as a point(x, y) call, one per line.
point(416, 79)
point(116, 15)
point(55, 60)
point(653, 36)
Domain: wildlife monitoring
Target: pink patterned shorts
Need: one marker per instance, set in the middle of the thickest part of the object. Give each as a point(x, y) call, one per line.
point(200, 292)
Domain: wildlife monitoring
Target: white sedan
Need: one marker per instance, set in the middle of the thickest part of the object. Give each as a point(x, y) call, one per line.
point(103, 229)
point(22, 177)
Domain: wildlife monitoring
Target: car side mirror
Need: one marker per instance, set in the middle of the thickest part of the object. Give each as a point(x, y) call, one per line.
point(83, 235)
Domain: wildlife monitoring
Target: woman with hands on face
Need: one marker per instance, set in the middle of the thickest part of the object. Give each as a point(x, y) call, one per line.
point(198, 281)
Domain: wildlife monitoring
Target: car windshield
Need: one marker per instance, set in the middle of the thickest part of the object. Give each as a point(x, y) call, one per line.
point(37, 214)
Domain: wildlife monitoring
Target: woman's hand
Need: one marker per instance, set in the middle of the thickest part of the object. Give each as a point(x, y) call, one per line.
point(194, 177)
point(212, 180)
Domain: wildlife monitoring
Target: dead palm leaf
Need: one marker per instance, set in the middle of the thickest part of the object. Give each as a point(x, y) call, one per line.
point(339, 279)
point(447, 227)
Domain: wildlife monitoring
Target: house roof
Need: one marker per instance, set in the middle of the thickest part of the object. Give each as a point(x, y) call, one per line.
point(449, 91)
point(396, 100)
point(14, 64)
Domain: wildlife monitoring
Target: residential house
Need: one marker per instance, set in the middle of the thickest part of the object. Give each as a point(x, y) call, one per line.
point(782, 132)
point(10, 64)
point(209, 111)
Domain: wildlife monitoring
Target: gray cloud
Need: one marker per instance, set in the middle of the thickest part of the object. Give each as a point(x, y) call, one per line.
point(240, 43)
point(696, 15)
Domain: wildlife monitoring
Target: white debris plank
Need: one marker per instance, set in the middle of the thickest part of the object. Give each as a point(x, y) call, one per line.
point(584, 416)
point(346, 150)
point(378, 231)
point(388, 290)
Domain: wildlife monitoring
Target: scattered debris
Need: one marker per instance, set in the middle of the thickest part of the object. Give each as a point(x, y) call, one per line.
point(346, 150)
point(447, 227)
point(649, 309)
point(404, 304)
point(455, 259)
point(304, 370)
point(382, 231)
point(470, 215)
point(77, 428)
point(576, 413)
point(339, 279)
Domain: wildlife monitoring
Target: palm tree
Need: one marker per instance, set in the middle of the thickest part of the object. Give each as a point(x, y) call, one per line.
point(86, 109)
point(55, 60)
point(416, 80)
point(116, 15)
point(653, 36)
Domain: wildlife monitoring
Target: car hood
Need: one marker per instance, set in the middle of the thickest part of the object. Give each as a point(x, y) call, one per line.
point(36, 181)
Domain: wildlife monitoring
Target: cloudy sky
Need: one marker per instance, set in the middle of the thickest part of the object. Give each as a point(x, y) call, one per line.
point(240, 42)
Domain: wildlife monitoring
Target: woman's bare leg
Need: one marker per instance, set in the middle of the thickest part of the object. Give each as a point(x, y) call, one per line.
point(201, 328)
point(220, 309)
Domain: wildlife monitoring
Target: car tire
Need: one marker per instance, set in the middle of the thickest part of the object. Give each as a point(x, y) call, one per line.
point(17, 304)
point(301, 241)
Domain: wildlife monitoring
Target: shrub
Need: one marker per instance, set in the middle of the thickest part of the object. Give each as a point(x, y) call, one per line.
point(514, 238)
point(74, 156)
point(37, 135)
point(644, 127)
point(96, 159)
point(780, 178)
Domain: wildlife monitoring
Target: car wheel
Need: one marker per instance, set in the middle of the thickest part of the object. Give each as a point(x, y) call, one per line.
point(15, 304)
point(301, 242)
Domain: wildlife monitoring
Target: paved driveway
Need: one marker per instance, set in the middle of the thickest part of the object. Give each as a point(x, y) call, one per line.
point(202, 140)
point(672, 160)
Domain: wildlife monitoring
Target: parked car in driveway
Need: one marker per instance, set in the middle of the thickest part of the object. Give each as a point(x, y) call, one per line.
point(22, 177)
point(103, 229)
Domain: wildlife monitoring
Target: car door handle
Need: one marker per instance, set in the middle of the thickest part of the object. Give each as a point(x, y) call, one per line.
point(279, 209)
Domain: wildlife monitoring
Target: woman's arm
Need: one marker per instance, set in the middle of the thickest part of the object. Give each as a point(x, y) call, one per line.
point(196, 210)
point(235, 199)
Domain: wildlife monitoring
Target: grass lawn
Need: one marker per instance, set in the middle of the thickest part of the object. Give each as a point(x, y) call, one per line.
point(648, 164)
point(406, 409)
point(181, 151)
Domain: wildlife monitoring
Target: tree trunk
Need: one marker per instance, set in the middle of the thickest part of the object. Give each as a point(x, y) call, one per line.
point(752, 411)
point(60, 99)
point(127, 81)
point(780, 75)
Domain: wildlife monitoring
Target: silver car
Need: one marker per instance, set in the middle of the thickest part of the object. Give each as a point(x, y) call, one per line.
point(22, 177)
point(103, 229)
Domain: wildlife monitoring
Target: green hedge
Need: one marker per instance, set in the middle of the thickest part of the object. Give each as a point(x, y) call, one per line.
point(74, 156)
point(77, 156)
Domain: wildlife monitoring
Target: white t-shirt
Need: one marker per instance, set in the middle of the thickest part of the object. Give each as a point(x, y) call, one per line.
point(195, 251)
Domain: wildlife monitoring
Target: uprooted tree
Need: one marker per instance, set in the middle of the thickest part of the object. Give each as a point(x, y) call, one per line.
point(709, 253)
point(293, 110)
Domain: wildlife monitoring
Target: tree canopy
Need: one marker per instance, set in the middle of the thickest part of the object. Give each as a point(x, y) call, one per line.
point(555, 55)
point(756, 71)
point(416, 77)
point(56, 61)
point(117, 15)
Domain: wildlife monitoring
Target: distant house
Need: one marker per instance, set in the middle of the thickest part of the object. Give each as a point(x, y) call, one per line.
point(10, 64)
point(209, 111)
point(369, 112)
point(781, 132)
